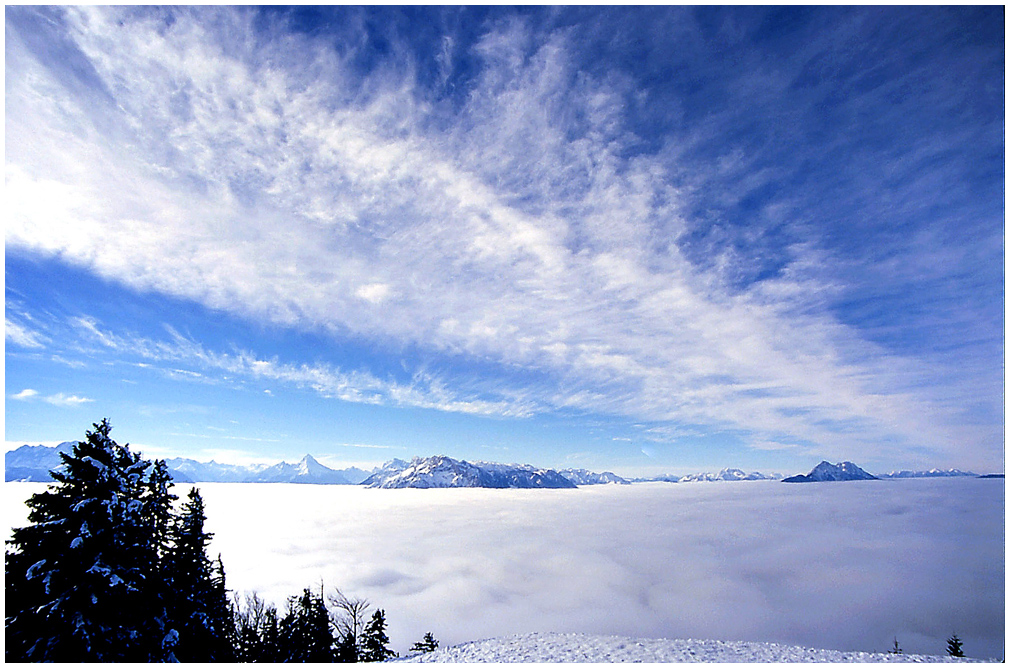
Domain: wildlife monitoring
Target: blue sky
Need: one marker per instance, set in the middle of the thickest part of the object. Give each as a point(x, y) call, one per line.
point(661, 239)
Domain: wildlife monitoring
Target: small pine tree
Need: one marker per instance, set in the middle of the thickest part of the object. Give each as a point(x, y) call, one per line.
point(271, 645)
point(256, 632)
point(219, 611)
point(347, 648)
point(159, 506)
point(426, 644)
point(954, 646)
point(305, 635)
point(374, 641)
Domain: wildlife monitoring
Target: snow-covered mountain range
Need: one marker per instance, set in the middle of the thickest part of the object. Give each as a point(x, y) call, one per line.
point(725, 475)
point(442, 471)
point(826, 471)
point(584, 477)
point(308, 470)
point(657, 478)
point(32, 463)
point(729, 474)
point(931, 473)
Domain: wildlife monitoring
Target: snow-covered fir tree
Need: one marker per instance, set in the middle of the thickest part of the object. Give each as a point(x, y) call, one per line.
point(107, 571)
point(158, 510)
point(82, 579)
point(198, 602)
point(954, 647)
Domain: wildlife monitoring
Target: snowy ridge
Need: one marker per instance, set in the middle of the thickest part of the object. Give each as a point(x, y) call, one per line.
point(658, 478)
point(725, 475)
point(32, 463)
point(931, 473)
point(441, 471)
point(728, 474)
point(584, 477)
point(190, 470)
point(308, 470)
point(579, 648)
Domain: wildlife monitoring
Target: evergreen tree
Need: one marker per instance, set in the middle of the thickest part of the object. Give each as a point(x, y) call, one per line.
point(220, 615)
point(158, 508)
point(82, 579)
point(305, 635)
point(198, 603)
point(374, 642)
point(427, 644)
point(954, 646)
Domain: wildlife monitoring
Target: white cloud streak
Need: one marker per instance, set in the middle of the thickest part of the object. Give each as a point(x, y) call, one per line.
point(59, 399)
point(66, 400)
point(423, 390)
point(22, 336)
point(507, 232)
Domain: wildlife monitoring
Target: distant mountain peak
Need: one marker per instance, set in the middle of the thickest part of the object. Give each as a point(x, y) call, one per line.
point(584, 477)
point(828, 472)
point(728, 474)
point(309, 465)
point(931, 473)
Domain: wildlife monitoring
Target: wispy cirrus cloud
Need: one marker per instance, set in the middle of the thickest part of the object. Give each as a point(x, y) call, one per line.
point(682, 278)
point(423, 390)
point(23, 335)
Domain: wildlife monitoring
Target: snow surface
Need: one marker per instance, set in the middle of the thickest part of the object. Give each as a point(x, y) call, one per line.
point(580, 648)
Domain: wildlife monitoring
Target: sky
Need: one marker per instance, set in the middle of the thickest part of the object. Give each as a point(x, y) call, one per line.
point(849, 566)
point(647, 240)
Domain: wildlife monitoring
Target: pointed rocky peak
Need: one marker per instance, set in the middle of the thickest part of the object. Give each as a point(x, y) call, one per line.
point(309, 465)
point(826, 471)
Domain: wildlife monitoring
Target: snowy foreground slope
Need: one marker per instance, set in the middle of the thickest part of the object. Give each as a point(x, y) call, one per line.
point(578, 648)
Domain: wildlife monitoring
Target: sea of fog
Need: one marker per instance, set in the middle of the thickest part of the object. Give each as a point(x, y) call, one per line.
point(847, 566)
